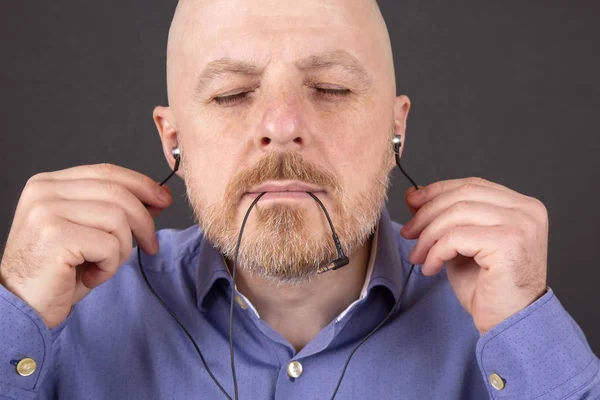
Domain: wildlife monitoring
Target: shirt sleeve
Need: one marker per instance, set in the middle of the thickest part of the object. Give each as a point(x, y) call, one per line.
point(539, 353)
point(23, 335)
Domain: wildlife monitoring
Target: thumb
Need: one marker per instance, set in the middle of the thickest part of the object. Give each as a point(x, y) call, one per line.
point(156, 211)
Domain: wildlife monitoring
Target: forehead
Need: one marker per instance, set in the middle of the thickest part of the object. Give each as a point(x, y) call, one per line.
point(260, 31)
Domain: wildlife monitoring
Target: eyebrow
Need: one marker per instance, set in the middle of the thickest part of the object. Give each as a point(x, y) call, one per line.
point(223, 66)
point(337, 58)
point(333, 59)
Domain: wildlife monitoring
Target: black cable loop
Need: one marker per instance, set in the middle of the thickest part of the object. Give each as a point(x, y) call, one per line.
point(188, 334)
point(231, 351)
point(398, 302)
point(237, 250)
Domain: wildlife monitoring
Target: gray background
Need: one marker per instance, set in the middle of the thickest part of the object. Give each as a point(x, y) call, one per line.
point(508, 91)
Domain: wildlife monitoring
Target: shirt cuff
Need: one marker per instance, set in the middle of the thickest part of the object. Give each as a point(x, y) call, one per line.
point(23, 334)
point(540, 352)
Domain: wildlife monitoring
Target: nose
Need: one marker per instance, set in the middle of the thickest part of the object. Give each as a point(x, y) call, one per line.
point(281, 126)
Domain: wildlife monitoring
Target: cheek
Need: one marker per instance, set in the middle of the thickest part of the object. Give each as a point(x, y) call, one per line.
point(209, 159)
point(361, 140)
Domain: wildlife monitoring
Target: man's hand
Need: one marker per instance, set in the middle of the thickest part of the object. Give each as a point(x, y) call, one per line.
point(493, 240)
point(72, 230)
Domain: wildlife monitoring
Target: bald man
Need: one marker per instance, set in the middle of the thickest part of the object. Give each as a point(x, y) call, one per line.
point(273, 102)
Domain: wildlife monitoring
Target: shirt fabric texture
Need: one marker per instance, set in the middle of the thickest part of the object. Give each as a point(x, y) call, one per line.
point(119, 343)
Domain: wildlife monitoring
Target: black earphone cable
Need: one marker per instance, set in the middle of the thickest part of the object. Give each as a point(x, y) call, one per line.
point(188, 334)
point(398, 303)
point(340, 262)
point(235, 260)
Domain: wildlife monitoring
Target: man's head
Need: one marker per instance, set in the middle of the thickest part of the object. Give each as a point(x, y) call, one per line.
point(274, 96)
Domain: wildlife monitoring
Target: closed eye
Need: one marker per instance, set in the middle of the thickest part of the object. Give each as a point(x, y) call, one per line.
point(334, 92)
point(232, 99)
point(325, 93)
point(331, 94)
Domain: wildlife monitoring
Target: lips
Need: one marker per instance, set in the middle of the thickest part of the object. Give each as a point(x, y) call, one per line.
point(284, 190)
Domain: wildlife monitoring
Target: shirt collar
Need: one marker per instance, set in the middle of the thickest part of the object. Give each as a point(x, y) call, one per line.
point(386, 268)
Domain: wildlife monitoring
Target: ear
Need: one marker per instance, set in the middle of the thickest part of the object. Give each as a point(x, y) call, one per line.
point(165, 124)
point(401, 108)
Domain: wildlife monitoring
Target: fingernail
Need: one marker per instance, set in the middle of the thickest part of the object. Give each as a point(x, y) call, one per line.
point(162, 194)
point(417, 195)
point(155, 243)
point(411, 253)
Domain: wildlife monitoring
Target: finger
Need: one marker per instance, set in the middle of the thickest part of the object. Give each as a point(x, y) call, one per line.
point(100, 249)
point(143, 187)
point(104, 216)
point(410, 190)
point(434, 207)
point(460, 214)
point(435, 189)
point(139, 219)
point(156, 211)
point(482, 243)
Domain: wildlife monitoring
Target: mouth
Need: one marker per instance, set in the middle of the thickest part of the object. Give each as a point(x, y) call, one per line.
point(284, 190)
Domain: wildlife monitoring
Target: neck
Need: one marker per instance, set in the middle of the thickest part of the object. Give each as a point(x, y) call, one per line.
point(299, 311)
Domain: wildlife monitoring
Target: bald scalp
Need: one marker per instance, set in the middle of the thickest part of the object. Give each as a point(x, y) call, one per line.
point(195, 20)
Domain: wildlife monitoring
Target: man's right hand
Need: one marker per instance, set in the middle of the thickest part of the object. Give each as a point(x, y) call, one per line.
point(73, 229)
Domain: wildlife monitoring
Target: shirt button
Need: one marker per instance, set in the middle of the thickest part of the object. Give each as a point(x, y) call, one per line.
point(497, 381)
point(26, 367)
point(241, 302)
point(294, 369)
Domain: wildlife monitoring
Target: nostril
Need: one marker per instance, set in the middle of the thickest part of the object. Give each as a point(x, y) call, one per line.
point(265, 141)
point(298, 140)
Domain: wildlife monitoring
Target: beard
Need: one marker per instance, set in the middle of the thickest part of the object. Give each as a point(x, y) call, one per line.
point(282, 246)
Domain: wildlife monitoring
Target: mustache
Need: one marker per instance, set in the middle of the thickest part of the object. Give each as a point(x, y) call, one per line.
point(282, 165)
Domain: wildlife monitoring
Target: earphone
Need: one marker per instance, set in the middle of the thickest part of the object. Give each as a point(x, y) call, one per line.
point(341, 261)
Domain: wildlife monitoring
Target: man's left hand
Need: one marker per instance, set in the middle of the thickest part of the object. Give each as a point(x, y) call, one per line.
point(493, 240)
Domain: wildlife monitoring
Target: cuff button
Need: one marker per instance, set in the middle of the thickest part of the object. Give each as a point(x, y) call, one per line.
point(26, 367)
point(496, 381)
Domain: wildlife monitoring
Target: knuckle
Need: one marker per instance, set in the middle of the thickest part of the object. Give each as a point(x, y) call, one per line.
point(475, 180)
point(70, 256)
point(528, 225)
point(126, 248)
point(39, 214)
point(145, 181)
point(454, 232)
point(115, 254)
point(467, 188)
point(31, 188)
point(106, 169)
point(113, 188)
point(40, 176)
point(113, 245)
point(540, 210)
point(119, 216)
point(48, 230)
point(459, 207)
point(427, 208)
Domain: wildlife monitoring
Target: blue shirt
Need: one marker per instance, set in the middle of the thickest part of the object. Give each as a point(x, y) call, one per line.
point(119, 343)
